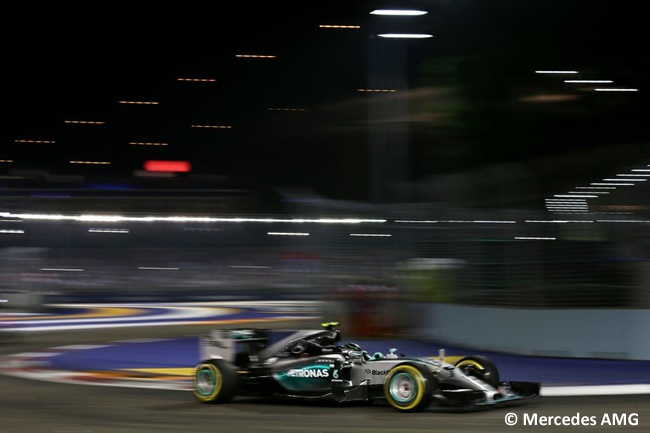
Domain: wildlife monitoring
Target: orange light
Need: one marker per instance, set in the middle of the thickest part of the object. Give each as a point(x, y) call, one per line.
point(35, 141)
point(213, 126)
point(623, 207)
point(143, 143)
point(256, 56)
point(91, 162)
point(196, 79)
point(88, 122)
point(287, 109)
point(6, 160)
point(329, 26)
point(377, 90)
point(139, 102)
point(168, 166)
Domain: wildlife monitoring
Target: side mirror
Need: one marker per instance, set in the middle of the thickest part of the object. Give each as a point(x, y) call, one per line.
point(357, 357)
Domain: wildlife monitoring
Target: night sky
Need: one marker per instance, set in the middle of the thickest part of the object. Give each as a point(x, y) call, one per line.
point(471, 89)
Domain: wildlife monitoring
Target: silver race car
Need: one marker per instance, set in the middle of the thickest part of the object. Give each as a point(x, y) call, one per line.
point(313, 365)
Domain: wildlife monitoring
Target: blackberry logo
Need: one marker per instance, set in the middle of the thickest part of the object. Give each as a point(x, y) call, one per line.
point(376, 372)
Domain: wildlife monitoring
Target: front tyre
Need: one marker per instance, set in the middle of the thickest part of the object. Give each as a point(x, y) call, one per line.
point(481, 368)
point(409, 387)
point(215, 381)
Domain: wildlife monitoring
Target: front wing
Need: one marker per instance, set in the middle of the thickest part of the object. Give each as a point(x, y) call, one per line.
point(509, 392)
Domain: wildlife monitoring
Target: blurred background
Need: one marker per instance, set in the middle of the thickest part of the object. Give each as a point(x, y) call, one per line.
point(473, 163)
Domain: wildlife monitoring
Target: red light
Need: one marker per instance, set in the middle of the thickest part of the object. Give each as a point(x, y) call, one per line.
point(169, 166)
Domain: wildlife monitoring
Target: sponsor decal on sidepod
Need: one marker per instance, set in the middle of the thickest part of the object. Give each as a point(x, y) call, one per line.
point(309, 373)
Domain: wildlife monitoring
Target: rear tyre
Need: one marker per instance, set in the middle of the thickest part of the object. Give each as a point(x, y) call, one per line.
point(481, 368)
point(215, 381)
point(409, 387)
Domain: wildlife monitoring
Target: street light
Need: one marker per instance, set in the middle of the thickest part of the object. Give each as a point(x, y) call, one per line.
point(398, 12)
point(405, 35)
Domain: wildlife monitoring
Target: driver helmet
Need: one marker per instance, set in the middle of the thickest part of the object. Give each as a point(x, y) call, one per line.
point(354, 347)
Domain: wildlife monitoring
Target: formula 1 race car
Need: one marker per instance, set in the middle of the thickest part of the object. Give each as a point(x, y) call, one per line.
point(312, 365)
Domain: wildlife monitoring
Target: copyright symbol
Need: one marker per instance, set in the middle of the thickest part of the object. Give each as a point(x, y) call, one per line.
point(511, 418)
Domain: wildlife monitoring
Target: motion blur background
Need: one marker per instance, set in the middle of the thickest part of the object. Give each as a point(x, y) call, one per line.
point(493, 181)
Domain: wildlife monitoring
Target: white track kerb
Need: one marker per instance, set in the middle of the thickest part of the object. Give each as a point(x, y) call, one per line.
point(574, 391)
point(99, 316)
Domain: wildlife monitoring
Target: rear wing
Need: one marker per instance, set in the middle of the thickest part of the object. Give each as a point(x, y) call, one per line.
point(227, 343)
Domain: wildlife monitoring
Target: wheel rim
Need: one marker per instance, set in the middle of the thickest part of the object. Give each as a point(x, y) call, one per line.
point(468, 362)
point(403, 387)
point(473, 368)
point(206, 382)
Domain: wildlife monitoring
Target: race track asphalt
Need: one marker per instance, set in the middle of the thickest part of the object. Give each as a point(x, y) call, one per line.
point(28, 406)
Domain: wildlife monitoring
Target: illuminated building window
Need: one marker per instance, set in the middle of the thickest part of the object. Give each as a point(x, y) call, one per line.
point(255, 56)
point(377, 90)
point(91, 162)
point(146, 143)
point(329, 26)
point(197, 79)
point(213, 126)
point(139, 102)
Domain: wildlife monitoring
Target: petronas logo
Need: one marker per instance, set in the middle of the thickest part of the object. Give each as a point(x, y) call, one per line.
point(309, 373)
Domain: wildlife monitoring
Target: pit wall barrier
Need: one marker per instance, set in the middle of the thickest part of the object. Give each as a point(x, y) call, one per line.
point(20, 301)
point(574, 333)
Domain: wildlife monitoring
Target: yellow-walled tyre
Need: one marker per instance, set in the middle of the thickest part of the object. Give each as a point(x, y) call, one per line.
point(215, 381)
point(409, 387)
point(481, 368)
